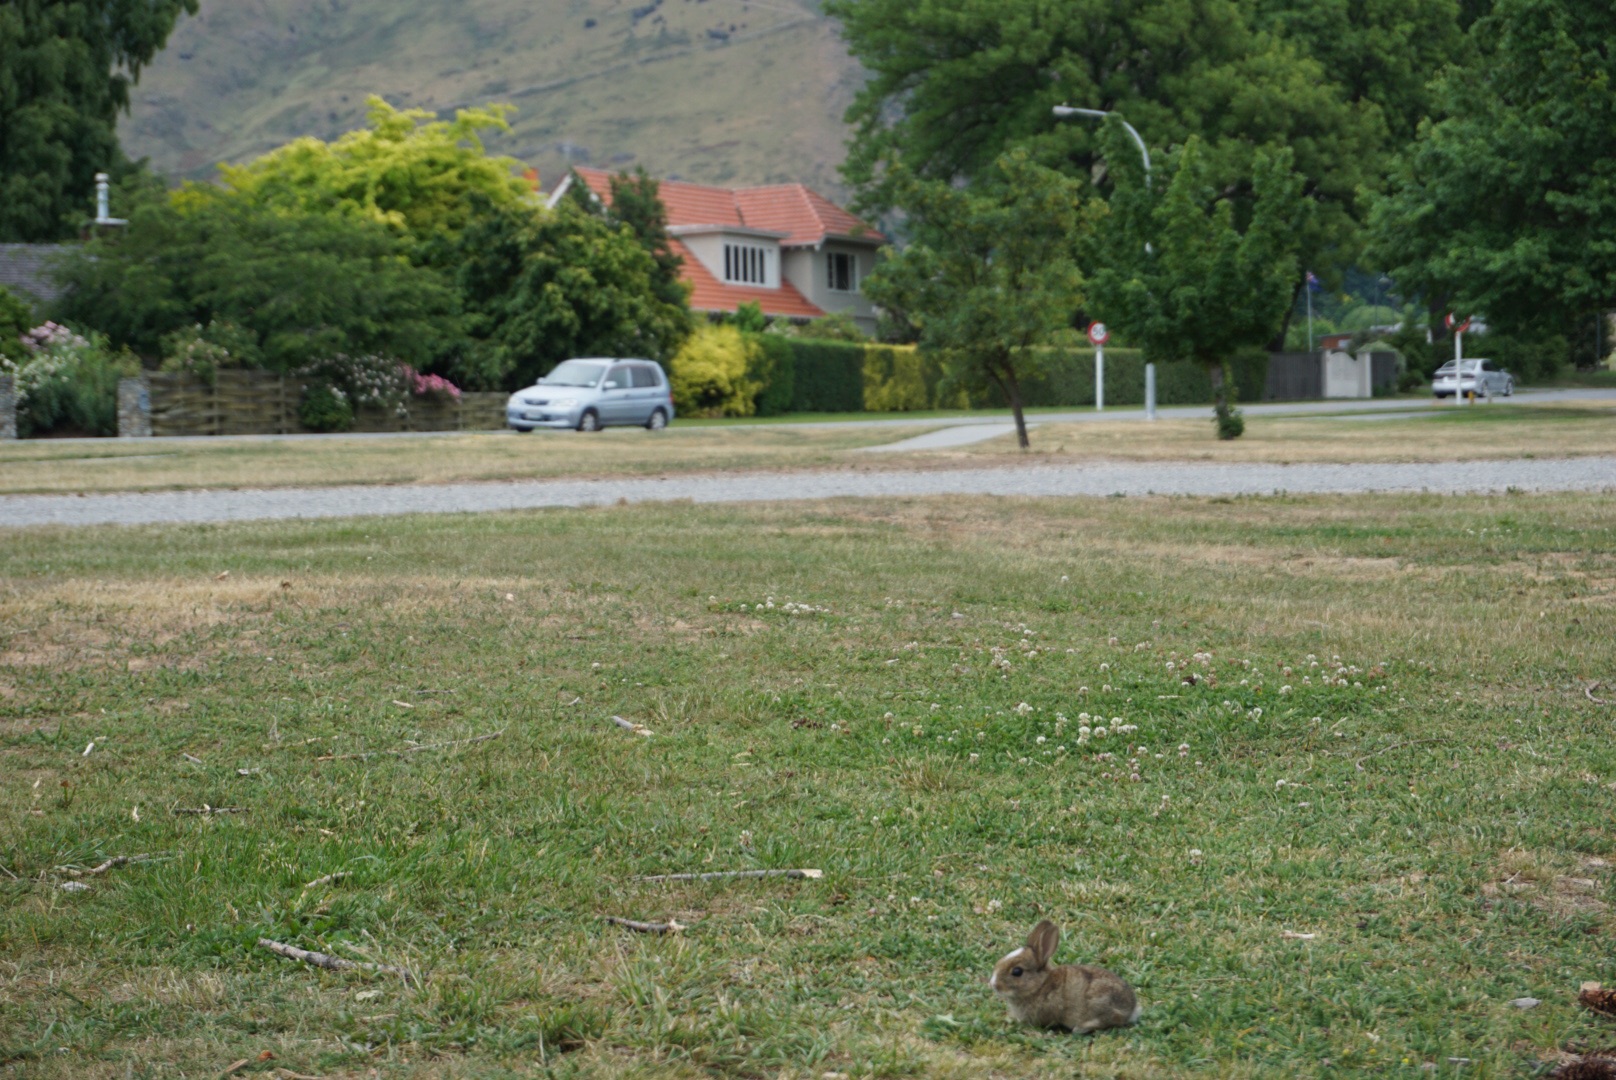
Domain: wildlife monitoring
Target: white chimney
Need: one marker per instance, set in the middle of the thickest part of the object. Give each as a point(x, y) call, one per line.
point(103, 184)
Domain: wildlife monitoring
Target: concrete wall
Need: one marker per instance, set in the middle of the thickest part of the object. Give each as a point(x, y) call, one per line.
point(8, 407)
point(134, 408)
point(1347, 376)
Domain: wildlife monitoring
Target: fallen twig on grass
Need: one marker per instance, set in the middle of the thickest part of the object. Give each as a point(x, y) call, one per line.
point(1393, 746)
point(328, 879)
point(111, 864)
point(334, 963)
point(192, 758)
point(206, 809)
point(411, 749)
point(629, 725)
point(672, 926)
point(234, 1067)
point(1588, 692)
point(713, 875)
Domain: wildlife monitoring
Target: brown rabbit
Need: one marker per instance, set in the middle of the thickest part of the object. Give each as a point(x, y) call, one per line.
point(1074, 996)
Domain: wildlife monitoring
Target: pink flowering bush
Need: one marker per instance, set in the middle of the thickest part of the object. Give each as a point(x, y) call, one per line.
point(435, 387)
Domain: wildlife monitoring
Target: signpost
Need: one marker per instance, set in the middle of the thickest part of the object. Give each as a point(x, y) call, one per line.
point(1098, 336)
point(1458, 327)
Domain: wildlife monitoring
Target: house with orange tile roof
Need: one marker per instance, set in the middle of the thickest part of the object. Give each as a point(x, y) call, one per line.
point(788, 249)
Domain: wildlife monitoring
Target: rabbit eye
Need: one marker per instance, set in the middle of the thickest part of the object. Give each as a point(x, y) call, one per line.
point(1016, 972)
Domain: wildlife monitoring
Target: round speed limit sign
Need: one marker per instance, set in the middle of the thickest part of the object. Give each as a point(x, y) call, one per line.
point(1098, 334)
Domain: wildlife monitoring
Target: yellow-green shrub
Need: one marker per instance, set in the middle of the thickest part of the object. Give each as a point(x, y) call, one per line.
point(893, 379)
point(709, 373)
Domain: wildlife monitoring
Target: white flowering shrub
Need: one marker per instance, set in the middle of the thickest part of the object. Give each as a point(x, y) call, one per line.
point(66, 382)
point(366, 381)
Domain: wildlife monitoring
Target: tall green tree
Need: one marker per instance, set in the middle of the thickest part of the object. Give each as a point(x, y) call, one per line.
point(954, 83)
point(991, 274)
point(1180, 276)
point(1507, 205)
point(303, 286)
point(540, 286)
point(637, 203)
point(65, 71)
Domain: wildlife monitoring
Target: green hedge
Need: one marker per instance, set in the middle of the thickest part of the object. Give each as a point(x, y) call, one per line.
point(827, 376)
point(802, 375)
point(1066, 380)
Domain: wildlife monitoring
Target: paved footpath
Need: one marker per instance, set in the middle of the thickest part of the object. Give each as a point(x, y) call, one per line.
point(1596, 474)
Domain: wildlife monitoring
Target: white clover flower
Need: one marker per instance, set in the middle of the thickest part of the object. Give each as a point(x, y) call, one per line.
point(1280, 783)
point(1023, 708)
point(1099, 733)
point(1040, 740)
point(1171, 666)
point(1107, 667)
point(1081, 690)
point(1284, 689)
point(975, 758)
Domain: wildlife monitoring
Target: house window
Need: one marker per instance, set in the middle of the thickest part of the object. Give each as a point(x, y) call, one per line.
point(746, 264)
point(842, 271)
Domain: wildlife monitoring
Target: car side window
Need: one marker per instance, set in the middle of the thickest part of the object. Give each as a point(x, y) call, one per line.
point(1488, 365)
point(617, 378)
point(644, 377)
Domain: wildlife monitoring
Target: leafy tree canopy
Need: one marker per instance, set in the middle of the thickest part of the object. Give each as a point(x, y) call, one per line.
point(991, 273)
point(541, 286)
point(954, 83)
point(1180, 277)
point(65, 71)
point(405, 170)
point(1507, 205)
point(303, 286)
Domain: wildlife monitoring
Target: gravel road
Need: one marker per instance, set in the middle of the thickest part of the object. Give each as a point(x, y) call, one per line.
point(1569, 474)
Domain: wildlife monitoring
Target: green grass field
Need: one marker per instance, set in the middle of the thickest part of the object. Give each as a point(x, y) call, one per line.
point(44, 466)
point(1347, 869)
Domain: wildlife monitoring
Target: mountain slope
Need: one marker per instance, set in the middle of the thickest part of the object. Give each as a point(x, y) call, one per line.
point(719, 91)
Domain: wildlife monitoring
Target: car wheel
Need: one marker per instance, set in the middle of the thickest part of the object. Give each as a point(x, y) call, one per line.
point(589, 421)
point(520, 430)
point(1509, 387)
point(657, 420)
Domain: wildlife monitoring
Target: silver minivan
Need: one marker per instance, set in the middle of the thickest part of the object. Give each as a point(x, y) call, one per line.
point(589, 394)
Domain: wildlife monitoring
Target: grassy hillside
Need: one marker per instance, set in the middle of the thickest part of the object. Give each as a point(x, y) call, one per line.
point(725, 91)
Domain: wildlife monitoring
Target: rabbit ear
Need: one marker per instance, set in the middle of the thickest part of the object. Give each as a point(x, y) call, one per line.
point(1043, 940)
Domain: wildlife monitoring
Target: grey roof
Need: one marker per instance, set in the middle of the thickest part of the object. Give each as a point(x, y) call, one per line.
point(25, 269)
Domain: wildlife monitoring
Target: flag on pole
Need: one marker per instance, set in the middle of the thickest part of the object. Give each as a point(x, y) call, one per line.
point(1313, 283)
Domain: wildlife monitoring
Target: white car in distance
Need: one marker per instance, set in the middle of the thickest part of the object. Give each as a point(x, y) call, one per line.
point(1480, 377)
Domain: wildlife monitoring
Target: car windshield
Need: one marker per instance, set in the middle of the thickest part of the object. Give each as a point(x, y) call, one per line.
point(575, 373)
point(1447, 369)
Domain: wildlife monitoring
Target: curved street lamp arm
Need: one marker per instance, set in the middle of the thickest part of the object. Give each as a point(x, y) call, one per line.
point(1063, 111)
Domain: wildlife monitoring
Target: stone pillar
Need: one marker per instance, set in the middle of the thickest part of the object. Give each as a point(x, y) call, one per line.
point(134, 408)
point(8, 407)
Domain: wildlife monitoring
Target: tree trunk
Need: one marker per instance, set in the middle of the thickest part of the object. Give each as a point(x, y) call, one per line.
point(1006, 381)
point(1230, 424)
point(1220, 392)
point(1012, 390)
point(1278, 343)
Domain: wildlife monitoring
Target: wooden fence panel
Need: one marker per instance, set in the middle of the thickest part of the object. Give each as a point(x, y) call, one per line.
point(264, 403)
